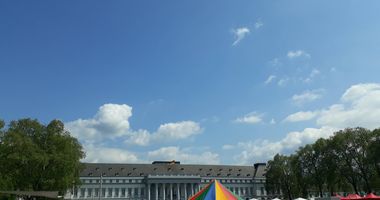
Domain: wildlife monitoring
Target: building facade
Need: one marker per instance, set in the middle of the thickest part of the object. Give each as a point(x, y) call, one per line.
point(164, 180)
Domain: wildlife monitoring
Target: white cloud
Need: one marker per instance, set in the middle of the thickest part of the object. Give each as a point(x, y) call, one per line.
point(359, 106)
point(282, 82)
point(275, 62)
point(270, 79)
point(297, 53)
point(175, 153)
point(110, 121)
point(239, 34)
point(228, 147)
point(312, 75)
point(264, 150)
point(166, 132)
point(272, 121)
point(96, 154)
point(307, 96)
point(251, 118)
point(301, 116)
point(258, 24)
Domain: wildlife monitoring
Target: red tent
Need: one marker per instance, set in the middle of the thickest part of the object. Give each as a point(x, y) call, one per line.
point(338, 196)
point(371, 196)
point(352, 196)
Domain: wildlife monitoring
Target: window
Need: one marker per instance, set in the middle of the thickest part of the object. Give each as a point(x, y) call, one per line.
point(96, 192)
point(123, 192)
point(142, 192)
point(116, 192)
point(262, 190)
point(109, 192)
point(136, 191)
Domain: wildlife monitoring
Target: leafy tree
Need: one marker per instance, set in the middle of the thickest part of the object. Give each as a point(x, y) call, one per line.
point(351, 152)
point(39, 157)
point(279, 176)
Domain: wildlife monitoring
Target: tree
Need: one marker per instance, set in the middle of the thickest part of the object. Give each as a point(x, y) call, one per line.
point(39, 157)
point(351, 152)
point(279, 176)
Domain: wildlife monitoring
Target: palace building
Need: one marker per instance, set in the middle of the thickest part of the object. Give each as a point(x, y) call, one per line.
point(165, 180)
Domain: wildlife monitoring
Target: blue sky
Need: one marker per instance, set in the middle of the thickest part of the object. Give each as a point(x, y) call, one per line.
point(230, 82)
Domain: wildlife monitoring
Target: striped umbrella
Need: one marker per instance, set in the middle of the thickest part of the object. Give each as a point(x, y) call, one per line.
point(215, 191)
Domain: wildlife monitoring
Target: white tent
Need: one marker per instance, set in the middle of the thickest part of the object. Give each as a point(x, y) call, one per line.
point(300, 198)
point(253, 199)
point(276, 199)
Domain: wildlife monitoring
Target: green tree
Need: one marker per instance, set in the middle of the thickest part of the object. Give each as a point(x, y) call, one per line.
point(39, 157)
point(279, 176)
point(351, 147)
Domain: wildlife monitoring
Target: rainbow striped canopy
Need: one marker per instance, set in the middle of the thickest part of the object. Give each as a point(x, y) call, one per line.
point(215, 191)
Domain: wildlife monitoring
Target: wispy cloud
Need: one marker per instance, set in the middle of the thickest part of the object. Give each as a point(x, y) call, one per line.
point(282, 82)
point(312, 75)
point(240, 34)
point(251, 118)
point(270, 79)
point(307, 96)
point(297, 53)
point(301, 116)
point(258, 24)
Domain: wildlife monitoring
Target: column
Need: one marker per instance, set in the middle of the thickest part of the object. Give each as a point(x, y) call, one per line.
point(133, 192)
point(120, 189)
point(185, 184)
point(148, 191)
point(113, 193)
point(78, 192)
point(156, 186)
point(178, 191)
point(192, 189)
point(171, 191)
point(238, 191)
point(163, 191)
point(199, 187)
point(139, 192)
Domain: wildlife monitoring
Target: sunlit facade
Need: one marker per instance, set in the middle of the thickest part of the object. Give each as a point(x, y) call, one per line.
point(163, 180)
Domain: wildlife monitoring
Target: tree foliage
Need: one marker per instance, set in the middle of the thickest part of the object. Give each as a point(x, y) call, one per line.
point(38, 157)
point(348, 161)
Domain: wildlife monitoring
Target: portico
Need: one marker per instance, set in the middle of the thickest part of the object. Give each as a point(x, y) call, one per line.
point(164, 187)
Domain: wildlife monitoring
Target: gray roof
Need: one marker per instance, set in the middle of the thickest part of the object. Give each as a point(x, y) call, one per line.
point(171, 168)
